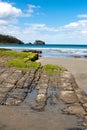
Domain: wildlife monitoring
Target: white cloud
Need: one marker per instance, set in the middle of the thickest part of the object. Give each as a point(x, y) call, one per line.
point(71, 25)
point(42, 27)
point(8, 12)
point(79, 24)
point(65, 34)
point(31, 9)
point(74, 32)
point(69, 33)
point(82, 16)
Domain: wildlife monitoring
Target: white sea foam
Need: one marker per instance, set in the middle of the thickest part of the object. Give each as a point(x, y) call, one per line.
point(47, 51)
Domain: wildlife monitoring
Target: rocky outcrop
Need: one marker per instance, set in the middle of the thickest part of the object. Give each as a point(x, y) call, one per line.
point(39, 42)
point(34, 51)
point(42, 91)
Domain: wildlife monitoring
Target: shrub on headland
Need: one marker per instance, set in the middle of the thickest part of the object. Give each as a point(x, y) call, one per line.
point(9, 39)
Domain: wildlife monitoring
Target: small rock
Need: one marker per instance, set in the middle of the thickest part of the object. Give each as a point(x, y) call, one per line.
point(39, 107)
point(4, 89)
point(42, 91)
point(66, 74)
point(21, 82)
point(77, 56)
point(43, 86)
point(41, 97)
point(66, 86)
point(82, 96)
point(76, 109)
point(85, 106)
point(12, 101)
point(8, 85)
point(85, 122)
point(68, 96)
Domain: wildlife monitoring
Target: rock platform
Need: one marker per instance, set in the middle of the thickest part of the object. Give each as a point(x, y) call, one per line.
point(43, 91)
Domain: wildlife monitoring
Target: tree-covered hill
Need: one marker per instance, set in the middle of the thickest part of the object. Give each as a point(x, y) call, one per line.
point(9, 39)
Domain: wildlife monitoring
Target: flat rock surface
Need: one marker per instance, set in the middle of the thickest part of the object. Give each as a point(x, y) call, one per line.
point(34, 100)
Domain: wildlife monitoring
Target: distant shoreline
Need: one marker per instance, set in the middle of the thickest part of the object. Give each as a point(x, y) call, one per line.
point(60, 51)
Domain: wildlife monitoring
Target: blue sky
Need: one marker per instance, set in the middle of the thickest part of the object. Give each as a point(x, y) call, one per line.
point(54, 21)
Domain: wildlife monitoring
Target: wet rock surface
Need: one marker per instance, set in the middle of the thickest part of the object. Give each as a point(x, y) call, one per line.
point(68, 96)
point(43, 92)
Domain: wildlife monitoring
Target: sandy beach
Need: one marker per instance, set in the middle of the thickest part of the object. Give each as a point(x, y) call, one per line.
point(77, 66)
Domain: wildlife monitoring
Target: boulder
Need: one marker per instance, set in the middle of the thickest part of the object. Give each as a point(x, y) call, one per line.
point(39, 42)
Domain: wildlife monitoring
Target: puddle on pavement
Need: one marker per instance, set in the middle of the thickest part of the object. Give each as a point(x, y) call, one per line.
point(31, 98)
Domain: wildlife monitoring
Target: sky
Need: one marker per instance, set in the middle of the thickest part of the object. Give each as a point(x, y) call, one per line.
point(53, 21)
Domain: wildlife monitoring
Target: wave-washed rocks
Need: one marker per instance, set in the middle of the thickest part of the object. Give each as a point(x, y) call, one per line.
point(44, 90)
point(39, 52)
point(79, 56)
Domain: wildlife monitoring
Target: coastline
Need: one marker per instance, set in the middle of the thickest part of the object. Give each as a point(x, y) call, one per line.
point(51, 50)
point(77, 66)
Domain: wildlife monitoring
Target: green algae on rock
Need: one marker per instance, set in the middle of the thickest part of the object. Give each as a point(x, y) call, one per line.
point(49, 69)
point(21, 60)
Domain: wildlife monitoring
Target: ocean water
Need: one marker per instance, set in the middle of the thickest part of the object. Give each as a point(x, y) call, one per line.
point(51, 50)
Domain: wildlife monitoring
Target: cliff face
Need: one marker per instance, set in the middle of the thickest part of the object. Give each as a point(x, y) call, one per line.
point(9, 39)
point(39, 42)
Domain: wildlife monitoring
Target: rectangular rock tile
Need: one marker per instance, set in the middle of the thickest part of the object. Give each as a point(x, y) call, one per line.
point(12, 101)
point(20, 83)
point(6, 74)
point(13, 78)
point(2, 69)
point(18, 93)
point(4, 89)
